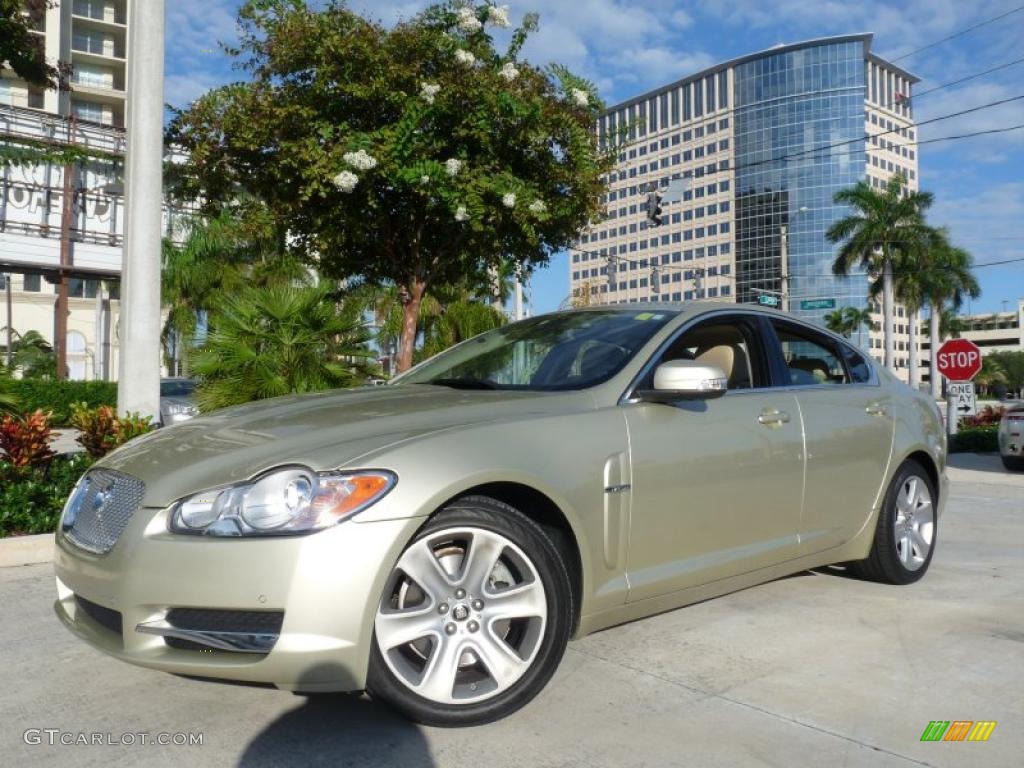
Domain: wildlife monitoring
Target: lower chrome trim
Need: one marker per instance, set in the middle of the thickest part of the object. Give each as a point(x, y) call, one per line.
point(221, 640)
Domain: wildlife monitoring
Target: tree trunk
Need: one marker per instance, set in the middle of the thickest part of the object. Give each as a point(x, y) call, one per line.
point(912, 321)
point(887, 313)
point(411, 297)
point(933, 352)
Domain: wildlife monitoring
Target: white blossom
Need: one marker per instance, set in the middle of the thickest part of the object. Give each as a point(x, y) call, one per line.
point(424, 179)
point(537, 206)
point(509, 71)
point(468, 22)
point(428, 91)
point(464, 57)
point(453, 166)
point(580, 97)
point(508, 200)
point(497, 15)
point(461, 214)
point(360, 160)
point(346, 181)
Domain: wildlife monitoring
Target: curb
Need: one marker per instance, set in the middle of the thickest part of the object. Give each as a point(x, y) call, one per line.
point(26, 550)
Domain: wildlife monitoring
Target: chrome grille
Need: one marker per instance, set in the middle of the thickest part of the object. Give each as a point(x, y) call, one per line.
point(100, 508)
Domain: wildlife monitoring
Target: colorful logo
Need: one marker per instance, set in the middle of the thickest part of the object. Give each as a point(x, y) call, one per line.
point(958, 730)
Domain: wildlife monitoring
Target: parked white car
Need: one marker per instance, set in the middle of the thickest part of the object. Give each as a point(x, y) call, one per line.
point(1011, 437)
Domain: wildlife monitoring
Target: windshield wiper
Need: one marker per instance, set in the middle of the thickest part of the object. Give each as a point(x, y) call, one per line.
point(464, 382)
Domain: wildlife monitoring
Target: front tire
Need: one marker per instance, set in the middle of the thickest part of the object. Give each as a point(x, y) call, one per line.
point(474, 618)
point(906, 530)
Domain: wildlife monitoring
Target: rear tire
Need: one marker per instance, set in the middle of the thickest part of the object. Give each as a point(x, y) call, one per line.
point(474, 619)
point(1013, 463)
point(905, 534)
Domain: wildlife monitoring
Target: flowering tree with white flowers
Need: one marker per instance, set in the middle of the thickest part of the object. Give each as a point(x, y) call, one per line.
point(416, 155)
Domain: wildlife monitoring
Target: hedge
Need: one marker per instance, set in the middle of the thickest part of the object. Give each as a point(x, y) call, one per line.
point(31, 499)
point(58, 396)
point(975, 439)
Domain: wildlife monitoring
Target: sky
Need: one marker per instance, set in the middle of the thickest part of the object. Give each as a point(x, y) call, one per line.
point(627, 48)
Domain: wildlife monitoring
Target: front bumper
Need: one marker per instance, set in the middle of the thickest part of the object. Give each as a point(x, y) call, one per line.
point(327, 584)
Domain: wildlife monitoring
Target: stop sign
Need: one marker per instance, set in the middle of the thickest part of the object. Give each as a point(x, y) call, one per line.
point(959, 360)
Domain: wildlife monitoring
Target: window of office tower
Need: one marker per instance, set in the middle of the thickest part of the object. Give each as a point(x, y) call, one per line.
point(786, 104)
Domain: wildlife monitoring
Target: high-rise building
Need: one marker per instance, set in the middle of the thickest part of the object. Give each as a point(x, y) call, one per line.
point(765, 141)
point(38, 243)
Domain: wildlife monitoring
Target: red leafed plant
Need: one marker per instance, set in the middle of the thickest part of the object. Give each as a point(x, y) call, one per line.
point(986, 416)
point(25, 440)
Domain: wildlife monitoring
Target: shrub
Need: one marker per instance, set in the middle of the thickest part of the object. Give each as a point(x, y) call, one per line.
point(31, 499)
point(57, 397)
point(101, 429)
point(982, 439)
point(985, 417)
point(25, 440)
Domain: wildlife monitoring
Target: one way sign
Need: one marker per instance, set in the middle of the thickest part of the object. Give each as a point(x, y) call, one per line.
point(963, 394)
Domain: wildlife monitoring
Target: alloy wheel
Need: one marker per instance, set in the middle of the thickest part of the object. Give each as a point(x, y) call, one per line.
point(914, 523)
point(462, 617)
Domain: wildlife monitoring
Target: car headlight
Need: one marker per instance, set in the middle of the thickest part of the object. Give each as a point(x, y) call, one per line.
point(293, 500)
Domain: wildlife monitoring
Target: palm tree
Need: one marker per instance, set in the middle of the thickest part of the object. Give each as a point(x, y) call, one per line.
point(882, 223)
point(947, 280)
point(836, 322)
point(856, 320)
point(991, 374)
point(280, 339)
point(909, 279)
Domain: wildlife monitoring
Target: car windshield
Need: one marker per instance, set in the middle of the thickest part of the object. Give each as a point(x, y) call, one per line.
point(567, 350)
point(177, 388)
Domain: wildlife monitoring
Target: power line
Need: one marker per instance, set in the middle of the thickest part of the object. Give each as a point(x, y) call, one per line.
point(958, 34)
point(652, 263)
point(965, 79)
point(867, 137)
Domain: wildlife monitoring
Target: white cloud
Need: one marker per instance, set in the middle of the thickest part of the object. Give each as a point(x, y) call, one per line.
point(624, 47)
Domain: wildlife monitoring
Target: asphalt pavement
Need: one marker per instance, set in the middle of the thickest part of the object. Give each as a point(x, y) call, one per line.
point(817, 669)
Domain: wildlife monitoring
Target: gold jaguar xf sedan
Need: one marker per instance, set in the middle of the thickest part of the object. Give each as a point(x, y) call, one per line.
point(437, 542)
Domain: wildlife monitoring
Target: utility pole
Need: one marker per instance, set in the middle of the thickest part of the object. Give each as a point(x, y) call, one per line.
point(67, 210)
point(138, 386)
point(518, 306)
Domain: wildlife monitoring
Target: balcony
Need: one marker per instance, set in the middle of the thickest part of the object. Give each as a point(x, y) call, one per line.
point(108, 13)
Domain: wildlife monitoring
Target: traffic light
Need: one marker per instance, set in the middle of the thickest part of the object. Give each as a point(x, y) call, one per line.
point(654, 207)
point(655, 279)
point(613, 264)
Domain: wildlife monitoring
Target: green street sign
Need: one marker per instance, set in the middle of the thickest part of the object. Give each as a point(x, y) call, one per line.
point(818, 304)
point(768, 301)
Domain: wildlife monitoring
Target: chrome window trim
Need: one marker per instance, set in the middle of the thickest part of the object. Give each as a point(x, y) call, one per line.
point(627, 396)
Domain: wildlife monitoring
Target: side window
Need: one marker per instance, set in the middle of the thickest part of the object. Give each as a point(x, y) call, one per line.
point(860, 371)
point(810, 357)
point(727, 343)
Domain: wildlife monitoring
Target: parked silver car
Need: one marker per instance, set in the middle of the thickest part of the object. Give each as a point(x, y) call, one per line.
point(438, 540)
point(177, 402)
point(1011, 437)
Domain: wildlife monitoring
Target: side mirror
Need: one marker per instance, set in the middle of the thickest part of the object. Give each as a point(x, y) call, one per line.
point(685, 380)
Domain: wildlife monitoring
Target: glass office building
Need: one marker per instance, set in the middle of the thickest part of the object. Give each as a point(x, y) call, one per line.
point(765, 141)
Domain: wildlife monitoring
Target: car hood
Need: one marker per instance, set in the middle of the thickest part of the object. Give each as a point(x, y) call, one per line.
point(323, 430)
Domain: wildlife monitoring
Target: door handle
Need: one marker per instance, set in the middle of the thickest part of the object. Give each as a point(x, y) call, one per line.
point(875, 409)
point(772, 417)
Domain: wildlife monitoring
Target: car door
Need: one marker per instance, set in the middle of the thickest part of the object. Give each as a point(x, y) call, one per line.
point(848, 425)
point(716, 484)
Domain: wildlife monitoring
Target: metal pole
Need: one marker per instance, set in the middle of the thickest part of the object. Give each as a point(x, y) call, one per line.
point(138, 387)
point(783, 248)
